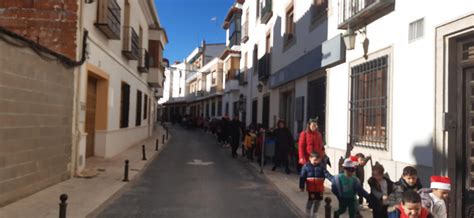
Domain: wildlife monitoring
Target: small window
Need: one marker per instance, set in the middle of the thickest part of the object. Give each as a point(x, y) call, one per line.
point(416, 30)
point(290, 24)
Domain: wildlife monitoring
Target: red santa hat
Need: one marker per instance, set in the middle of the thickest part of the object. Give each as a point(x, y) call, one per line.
point(441, 182)
point(354, 158)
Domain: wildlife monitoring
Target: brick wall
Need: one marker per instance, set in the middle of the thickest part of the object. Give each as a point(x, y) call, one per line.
point(36, 110)
point(51, 23)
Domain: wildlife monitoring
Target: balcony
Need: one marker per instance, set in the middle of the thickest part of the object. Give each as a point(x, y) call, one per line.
point(232, 75)
point(143, 61)
point(243, 77)
point(245, 32)
point(264, 67)
point(234, 39)
point(130, 44)
point(108, 18)
point(266, 11)
point(359, 13)
point(156, 77)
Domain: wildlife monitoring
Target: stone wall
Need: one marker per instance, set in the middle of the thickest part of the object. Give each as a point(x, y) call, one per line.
point(36, 113)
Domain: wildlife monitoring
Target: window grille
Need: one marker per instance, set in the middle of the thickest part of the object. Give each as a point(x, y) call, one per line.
point(368, 104)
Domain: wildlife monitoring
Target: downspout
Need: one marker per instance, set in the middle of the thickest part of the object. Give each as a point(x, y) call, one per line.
point(76, 108)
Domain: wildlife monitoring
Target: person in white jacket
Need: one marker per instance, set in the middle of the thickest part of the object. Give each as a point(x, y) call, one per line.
point(434, 198)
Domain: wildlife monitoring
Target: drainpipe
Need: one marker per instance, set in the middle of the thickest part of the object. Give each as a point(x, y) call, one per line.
point(76, 107)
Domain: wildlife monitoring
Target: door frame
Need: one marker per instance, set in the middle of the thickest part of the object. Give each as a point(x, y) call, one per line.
point(447, 138)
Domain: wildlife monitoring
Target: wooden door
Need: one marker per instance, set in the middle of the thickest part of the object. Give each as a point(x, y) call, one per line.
point(90, 115)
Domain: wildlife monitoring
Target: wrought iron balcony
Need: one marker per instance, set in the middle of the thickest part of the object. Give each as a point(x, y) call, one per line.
point(359, 13)
point(144, 61)
point(130, 43)
point(266, 11)
point(108, 18)
point(264, 67)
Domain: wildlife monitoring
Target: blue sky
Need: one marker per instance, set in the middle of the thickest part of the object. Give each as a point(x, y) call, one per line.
point(188, 22)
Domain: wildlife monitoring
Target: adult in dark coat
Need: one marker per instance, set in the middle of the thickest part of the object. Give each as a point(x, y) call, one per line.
point(234, 133)
point(283, 143)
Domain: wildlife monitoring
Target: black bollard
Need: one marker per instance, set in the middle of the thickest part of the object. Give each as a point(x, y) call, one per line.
point(163, 139)
point(62, 206)
point(327, 207)
point(125, 173)
point(143, 153)
point(156, 146)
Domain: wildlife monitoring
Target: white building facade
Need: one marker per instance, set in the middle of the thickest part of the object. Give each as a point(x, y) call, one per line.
point(116, 88)
point(403, 94)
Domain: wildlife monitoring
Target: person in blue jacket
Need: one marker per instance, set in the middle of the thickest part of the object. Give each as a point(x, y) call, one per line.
point(313, 174)
point(346, 187)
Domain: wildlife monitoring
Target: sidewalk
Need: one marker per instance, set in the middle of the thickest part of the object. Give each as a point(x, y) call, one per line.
point(87, 194)
point(288, 184)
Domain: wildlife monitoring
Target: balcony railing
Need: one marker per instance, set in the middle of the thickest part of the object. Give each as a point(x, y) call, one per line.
point(144, 61)
point(245, 32)
point(359, 13)
point(234, 39)
point(108, 18)
point(266, 11)
point(264, 67)
point(130, 43)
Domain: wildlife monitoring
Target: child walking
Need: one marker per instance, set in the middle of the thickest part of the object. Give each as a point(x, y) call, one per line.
point(380, 188)
point(249, 143)
point(346, 186)
point(434, 198)
point(408, 181)
point(313, 174)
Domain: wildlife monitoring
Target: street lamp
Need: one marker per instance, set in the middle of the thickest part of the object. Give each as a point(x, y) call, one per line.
point(349, 38)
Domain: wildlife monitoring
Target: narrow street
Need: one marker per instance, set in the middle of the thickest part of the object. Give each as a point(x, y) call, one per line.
point(194, 177)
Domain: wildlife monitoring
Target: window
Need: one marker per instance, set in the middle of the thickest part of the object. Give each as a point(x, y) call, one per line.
point(319, 9)
point(124, 105)
point(234, 30)
point(138, 119)
point(368, 105)
point(214, 78)
point(255, 59)
point(145, 107)
point(416, 30)
point(290, 24)
point(108, 18)
point(180, 91)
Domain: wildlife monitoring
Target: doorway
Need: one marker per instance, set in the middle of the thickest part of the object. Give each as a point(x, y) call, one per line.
point(317, 103)
point(91, 105)
point(287, 109)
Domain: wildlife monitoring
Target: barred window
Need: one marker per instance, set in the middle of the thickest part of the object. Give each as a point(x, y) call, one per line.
point(368, 104)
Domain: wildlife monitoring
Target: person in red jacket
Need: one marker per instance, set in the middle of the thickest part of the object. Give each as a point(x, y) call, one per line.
point(310, 140)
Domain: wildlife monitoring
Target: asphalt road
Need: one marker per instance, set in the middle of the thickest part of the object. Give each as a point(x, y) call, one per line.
point(194, 177)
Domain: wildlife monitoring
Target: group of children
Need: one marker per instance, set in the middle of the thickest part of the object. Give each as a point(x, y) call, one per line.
point(404, 198)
